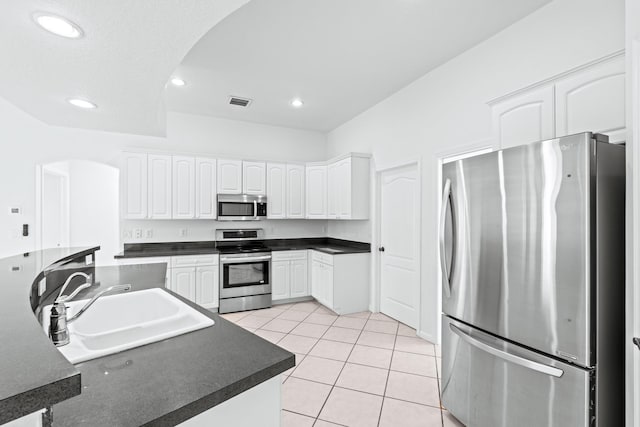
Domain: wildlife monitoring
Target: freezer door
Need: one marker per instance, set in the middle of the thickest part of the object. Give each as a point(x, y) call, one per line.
point(515, 234)
point(487, 382)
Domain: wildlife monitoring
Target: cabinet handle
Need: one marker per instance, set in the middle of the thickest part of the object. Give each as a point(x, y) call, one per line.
point(381, 248)
point(636, 341)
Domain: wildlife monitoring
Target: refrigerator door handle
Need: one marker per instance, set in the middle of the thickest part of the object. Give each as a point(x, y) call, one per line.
point(443, 219)
point(512, 358)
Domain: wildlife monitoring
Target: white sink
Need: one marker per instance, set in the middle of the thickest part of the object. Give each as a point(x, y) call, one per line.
point(120, 322)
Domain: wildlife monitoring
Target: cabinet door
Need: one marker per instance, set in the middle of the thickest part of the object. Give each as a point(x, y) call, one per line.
point(183, 282)
point(159, 186)
point(184, 187)
point(316, 192)
point(524, 118)
point(344, 189)
point(280, 280)
point(332, 191)
point(206, 206)
point(229, 176)
point(276, 190)
point(295, 191)
point(298, 282)
point(253, 178)
point(133, 184)
point(207, 286)
point(593, 100)
point(327, 285)
point(316, 278)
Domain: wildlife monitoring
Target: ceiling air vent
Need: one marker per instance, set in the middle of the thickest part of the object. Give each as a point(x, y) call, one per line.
point(240, 102)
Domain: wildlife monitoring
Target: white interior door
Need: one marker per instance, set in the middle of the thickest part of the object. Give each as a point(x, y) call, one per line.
point(55, 210)
point(400, 239)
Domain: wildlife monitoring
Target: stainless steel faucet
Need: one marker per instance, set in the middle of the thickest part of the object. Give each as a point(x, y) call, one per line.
point(58, 330)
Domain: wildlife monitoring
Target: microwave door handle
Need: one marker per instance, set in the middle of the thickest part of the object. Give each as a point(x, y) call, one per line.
point(255, 209)
point(446, 280)
point(512, 358)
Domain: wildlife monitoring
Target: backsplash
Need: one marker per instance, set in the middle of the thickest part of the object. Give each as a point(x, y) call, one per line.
point(149, 231)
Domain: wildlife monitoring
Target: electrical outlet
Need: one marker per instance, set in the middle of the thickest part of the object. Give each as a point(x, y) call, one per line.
point(149, 233)
point(137, 233)
point(183, 232)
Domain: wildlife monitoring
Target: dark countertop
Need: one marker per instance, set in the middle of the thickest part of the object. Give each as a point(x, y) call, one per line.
point(339, 246)
point(33, 373)
point(168, 382)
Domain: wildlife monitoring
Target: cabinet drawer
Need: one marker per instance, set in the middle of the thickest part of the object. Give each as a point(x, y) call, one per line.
point(288, 255)
point(193, 260)
point(322, 257)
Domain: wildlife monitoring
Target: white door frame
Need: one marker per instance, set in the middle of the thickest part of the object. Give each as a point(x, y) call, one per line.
point(376, 231)
point(446, 156)
point(37, 232)
point(632, 222)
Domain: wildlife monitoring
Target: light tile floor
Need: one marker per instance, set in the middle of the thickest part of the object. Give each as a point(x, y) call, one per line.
point(363, 369)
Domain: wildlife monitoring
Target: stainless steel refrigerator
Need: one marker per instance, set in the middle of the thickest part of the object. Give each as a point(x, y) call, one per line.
point(533, 285)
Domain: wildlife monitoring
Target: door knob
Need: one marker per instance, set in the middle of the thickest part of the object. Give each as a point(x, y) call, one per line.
point(636, 341)
point(381, 248)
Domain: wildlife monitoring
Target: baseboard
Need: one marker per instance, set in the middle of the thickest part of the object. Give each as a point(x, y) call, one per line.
point(291, 300)
point(428, 337)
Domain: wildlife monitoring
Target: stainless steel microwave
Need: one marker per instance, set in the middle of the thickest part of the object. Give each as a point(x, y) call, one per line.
point(241, 207)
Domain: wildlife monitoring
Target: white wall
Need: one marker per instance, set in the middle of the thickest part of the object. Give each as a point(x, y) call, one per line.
point(445, 111)
point(197, 230)
point(27, 142)
point(94, 194)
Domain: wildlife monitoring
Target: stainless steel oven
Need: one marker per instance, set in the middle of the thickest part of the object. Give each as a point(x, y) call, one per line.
point(241, 207)
point(245, 271)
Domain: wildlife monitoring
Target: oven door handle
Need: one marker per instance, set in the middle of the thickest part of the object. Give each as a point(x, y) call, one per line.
point(246, 259)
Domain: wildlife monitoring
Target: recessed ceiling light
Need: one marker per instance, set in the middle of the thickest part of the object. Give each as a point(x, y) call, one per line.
point(58, 25)
point(82, 103)
point(297, 102)
point(177, 81)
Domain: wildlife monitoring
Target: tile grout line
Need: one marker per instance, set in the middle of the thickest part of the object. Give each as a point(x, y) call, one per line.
point(342, 369)
point(384, 394)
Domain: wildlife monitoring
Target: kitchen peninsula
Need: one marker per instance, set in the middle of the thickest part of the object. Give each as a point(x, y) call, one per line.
point(203, 375)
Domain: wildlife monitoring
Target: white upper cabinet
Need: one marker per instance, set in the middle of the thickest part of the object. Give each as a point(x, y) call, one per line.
point(344, 171)
point(184, 187)
point(590, 99)
point(295, 191)
point(206, 205)
point(332, 191)
point(229, 176)
point(348, 188)
point(254, 178)
point(159, 186)
point(593, 100)
point(524, 118)
point(276, 190)
point(316, 192)
point(133, 185)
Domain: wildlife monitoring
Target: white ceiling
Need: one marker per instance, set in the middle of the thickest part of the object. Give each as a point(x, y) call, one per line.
point(340, 56)
point(122, 63)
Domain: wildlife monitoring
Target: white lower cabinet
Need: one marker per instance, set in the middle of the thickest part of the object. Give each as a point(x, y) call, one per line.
point(341, 282)
point(196, 278)
point(207, 281)
point(193, 277)
point(289, 275)
point(183, 282)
